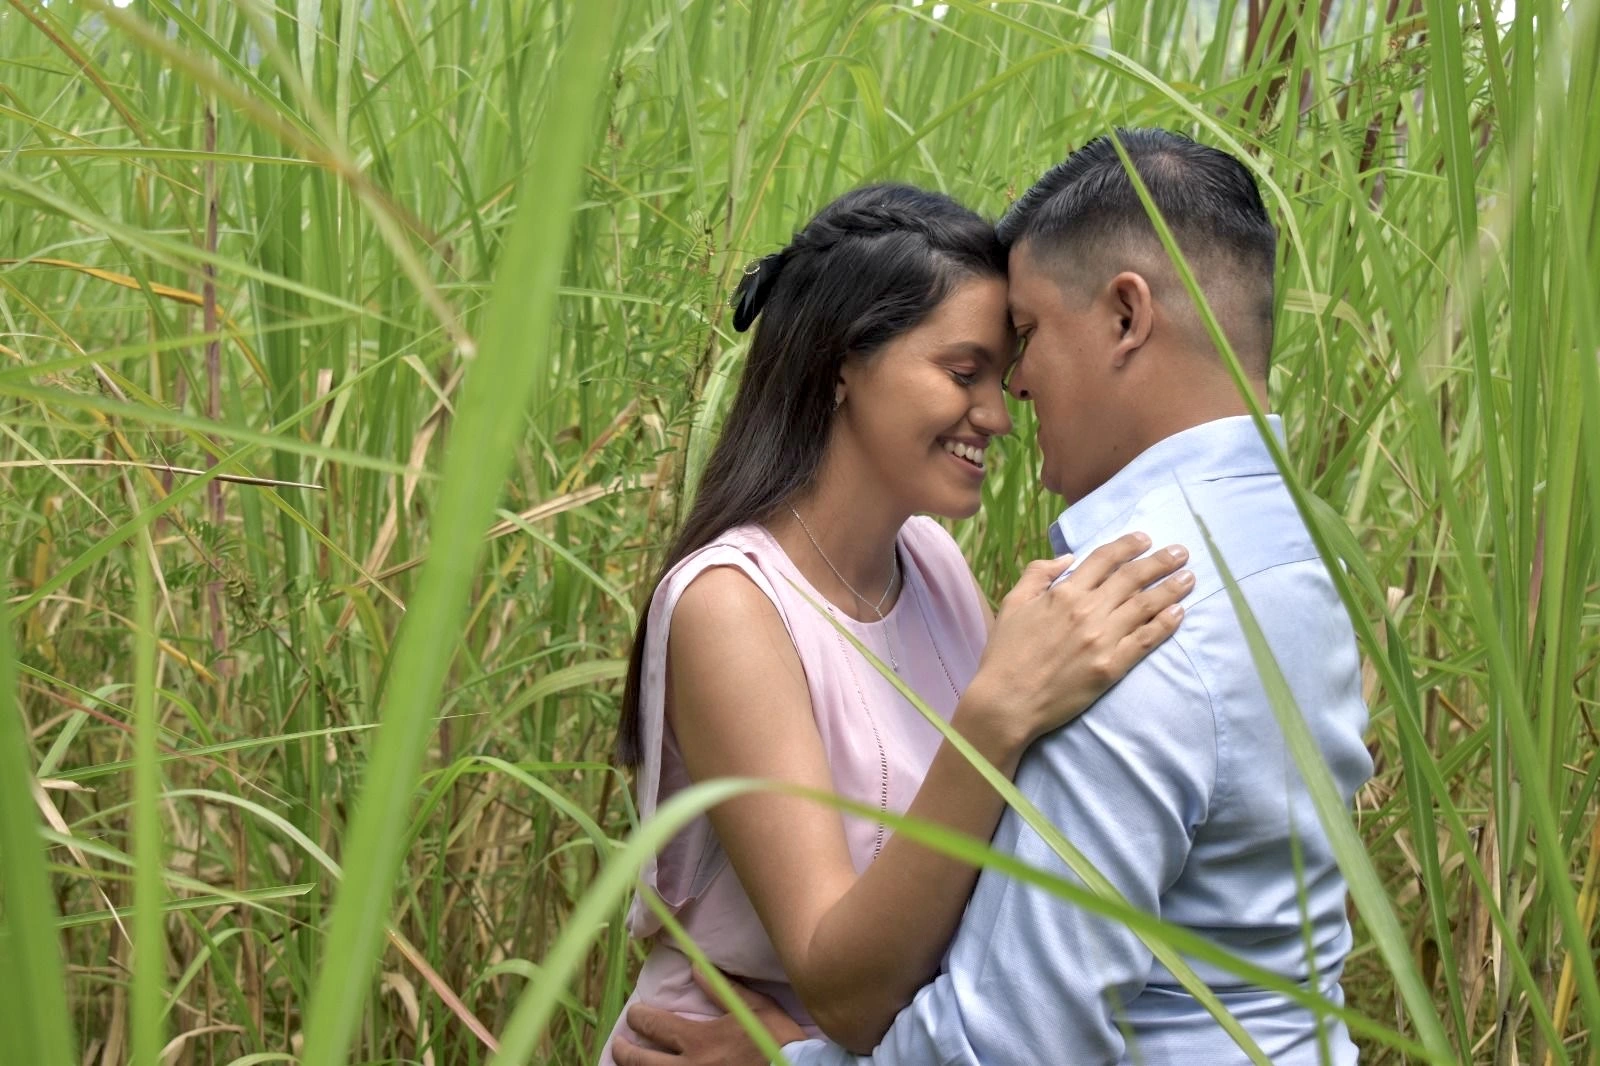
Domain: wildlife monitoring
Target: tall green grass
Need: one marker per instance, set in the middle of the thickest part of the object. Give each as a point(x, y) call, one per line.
point(337, 788)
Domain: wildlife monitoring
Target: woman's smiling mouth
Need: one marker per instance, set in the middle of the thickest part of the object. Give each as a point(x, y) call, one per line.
point(969, 454)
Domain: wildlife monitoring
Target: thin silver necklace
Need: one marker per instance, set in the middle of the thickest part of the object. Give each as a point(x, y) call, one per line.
point(877, 608)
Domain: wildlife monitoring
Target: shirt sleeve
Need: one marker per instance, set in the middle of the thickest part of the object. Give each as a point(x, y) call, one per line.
point(1030, 977)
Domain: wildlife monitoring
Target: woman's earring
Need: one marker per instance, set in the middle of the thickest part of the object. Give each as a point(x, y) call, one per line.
point(837, 400)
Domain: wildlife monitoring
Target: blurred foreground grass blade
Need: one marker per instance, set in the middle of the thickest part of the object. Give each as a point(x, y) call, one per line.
point(506, 371)
point(1581, 203)
point(31, 977)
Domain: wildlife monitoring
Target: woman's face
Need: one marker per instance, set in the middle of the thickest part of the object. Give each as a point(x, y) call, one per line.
point(917, 417)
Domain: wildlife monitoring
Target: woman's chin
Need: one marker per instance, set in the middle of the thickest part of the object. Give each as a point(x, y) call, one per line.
point(954, 509)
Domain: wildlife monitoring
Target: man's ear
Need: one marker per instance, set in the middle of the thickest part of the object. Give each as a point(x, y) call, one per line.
point(1129, 297)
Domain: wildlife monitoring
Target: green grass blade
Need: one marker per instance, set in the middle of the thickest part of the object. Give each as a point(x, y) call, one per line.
point(149, 935)
point(31, 977)
point(503, 378)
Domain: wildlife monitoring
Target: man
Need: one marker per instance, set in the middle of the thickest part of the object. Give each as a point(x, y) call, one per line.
point(1177, 785)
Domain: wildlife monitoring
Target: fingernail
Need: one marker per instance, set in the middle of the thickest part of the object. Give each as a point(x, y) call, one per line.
point(1184, 577)
point(1174, 612)
point(1178, 553)
point(1141, 539)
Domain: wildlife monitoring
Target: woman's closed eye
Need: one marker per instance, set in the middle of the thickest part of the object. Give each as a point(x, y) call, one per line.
point(965, 377)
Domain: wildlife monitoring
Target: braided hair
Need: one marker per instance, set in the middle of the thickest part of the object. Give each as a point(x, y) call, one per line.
point(870, 266)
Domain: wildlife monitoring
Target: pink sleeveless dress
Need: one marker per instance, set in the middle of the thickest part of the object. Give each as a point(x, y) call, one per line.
point(878, 746)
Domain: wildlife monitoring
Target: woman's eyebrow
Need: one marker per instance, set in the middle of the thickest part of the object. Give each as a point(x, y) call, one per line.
point(981, 350)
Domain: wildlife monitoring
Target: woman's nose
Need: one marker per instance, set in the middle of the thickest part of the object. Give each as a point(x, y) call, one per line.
point(991, 415)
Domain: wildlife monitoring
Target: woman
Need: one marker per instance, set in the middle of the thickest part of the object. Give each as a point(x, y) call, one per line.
point(875, 382)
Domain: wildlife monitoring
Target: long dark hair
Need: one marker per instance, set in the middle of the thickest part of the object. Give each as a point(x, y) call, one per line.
point(870, 266)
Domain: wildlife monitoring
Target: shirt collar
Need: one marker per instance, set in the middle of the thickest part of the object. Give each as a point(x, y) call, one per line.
point(1226, 447)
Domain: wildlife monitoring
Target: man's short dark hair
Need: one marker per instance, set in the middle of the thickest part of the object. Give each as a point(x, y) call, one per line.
point(1207, 197)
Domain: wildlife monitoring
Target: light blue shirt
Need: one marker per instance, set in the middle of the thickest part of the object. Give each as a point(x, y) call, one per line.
point(1178, 786)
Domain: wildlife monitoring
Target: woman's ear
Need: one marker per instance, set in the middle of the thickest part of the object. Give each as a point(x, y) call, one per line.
point(1129, 295)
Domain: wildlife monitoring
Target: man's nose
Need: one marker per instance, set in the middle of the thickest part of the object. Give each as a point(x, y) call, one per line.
point(1015, 385)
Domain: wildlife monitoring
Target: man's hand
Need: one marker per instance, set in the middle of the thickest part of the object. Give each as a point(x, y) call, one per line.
point(718, 1042)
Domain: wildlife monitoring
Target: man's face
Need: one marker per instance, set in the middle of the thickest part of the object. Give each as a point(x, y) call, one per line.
point(1065, 369)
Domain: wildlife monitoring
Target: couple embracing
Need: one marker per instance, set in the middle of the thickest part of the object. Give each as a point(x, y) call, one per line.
point(887, 335)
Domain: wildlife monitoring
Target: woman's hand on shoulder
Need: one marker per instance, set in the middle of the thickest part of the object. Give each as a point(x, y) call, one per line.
point(1058, 645)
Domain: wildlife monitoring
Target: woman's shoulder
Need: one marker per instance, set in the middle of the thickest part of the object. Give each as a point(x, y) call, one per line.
point(723, 617)
point(922, 529)
point(951, 588)
point(932, 546)
point(735, 565)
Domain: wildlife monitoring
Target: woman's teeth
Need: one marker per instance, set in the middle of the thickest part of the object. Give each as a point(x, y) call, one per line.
point(965, 451)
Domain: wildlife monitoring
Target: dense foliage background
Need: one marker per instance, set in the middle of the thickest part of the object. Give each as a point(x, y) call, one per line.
point(356, 359)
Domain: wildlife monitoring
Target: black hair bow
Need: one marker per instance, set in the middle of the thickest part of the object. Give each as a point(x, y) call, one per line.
point(751, 294)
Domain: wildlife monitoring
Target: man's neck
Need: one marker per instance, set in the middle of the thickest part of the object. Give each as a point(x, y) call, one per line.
point(1225, 446)
point(1181, 405)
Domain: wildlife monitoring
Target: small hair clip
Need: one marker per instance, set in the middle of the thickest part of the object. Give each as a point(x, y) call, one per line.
point(754, 288)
